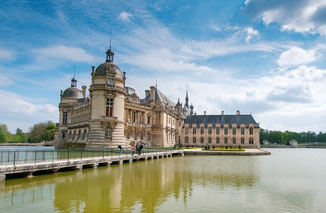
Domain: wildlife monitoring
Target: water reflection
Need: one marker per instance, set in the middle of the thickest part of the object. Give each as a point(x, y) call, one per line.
point(145, 185)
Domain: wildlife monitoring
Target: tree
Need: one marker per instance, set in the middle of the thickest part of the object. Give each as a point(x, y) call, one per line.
point(20, 136)
point(42, 132)
point(4, 133)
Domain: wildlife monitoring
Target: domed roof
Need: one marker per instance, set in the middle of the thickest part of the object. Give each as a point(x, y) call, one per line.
point(108, 66)
point(72, 92)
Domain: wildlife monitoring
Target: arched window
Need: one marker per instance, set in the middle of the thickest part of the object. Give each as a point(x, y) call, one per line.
point(109, 132)
point(79, 134)
point(84, 135)
point(109, 107)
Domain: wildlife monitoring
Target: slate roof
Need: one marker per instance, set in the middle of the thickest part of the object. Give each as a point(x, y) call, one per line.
point(162, 99)
point(221, 119)
point(107, 66)
point(73, 92)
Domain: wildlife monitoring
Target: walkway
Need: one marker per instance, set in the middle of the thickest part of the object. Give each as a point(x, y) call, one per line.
point(51, 166)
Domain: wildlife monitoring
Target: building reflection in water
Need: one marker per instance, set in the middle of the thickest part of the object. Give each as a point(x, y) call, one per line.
point(145, 185)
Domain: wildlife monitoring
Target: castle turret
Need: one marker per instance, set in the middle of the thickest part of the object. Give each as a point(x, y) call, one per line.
point(107, 94)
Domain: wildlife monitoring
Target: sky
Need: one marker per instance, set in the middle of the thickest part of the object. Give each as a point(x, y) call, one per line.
point(265, 57)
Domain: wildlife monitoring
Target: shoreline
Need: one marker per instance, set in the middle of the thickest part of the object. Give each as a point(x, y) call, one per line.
point(25, 144)
point(247, 152)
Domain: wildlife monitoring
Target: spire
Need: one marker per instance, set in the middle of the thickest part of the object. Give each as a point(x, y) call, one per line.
point(187, 101)
point(109, 53)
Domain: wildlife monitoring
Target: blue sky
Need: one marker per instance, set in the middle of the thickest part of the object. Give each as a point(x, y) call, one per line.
point(258, 56)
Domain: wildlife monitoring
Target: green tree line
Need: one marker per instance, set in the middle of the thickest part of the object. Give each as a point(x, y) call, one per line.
point(285, 137)
point(38, 132)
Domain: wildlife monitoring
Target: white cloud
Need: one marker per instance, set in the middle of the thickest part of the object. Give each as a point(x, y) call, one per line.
point(292, 99)
point(5, 81)
point(16, 110)
point(296, 56)
point(125, 16)
point(303, 16)
point(251, 33)
point(6, 55)
point(65, 53)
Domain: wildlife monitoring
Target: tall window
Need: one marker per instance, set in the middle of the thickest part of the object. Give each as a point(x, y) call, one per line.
point(209, 130)
point(251, 131)
point(64, 117)
point(186, 130)
point(109, 132)
point(242, 131)
point(158, 118)
point(194, 139)
point(234, 131)
point(209, 140)
point(225, 141)
point(201, 130)
point(186, 139)
point(226, 130)
point(133, 117)
point(217, 140)
point(242, 140)
point(251, 141)
point(148, 119)
point(194, 130)
point(109, 107)
point(234, 141)
point(217, 130)
point(201, 140)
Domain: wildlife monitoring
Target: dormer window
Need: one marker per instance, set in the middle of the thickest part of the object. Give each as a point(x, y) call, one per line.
point(111, 81)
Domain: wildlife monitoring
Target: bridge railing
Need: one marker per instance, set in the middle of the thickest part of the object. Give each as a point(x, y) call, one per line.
point(11, 157)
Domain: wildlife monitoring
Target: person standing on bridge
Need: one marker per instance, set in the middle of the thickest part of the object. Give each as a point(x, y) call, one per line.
point(120, 149)
point(133, 149)
point(140, 148)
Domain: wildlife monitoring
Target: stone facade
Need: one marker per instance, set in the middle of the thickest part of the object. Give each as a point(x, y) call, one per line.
point(221, 131)
point(113, 114)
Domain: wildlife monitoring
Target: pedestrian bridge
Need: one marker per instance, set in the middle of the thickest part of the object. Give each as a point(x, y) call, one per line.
point(15, 164)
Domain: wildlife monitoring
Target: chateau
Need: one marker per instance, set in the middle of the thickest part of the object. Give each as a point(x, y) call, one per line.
point(113, 114)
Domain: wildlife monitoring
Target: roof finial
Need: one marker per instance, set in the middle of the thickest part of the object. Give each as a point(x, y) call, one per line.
point(110, 38)
point(74, 80)
point(109, 52)
point(74, 70)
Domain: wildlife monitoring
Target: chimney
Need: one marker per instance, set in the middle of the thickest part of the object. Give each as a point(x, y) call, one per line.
point(93, 68)
point(238, 112)
point(84, 91)
point(195, 113)
point(147, 92)
point(124, 76)
point(152, 97)
point(204, 112)
point(222, 112)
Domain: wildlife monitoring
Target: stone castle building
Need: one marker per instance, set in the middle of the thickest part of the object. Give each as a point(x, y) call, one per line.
point(113, 114)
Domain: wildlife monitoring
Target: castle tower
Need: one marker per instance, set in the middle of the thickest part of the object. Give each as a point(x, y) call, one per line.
point(107, 93)
point(191, 109)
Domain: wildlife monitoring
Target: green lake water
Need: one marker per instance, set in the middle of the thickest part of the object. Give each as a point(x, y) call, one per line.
point(289, 180)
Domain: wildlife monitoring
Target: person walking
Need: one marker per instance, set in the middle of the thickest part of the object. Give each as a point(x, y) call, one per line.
point(140, 148)
point(133, 149)
point(120, 149)
point(137, 148)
